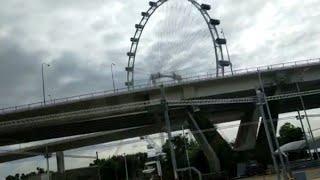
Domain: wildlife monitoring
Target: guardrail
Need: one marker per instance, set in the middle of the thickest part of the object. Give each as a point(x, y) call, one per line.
point(186, 79)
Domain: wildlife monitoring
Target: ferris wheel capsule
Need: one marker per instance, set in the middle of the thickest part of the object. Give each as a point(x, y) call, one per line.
point(221, 41)
point(130, 54)
point(134, 39)
point(129, 83)
point(214, 22)
point(205, 7)
point(153, 4)
point(224, 63)
point(145, 14)
point(138, 26)
point(129, 69)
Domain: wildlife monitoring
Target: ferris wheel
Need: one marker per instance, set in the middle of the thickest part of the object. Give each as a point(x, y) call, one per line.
point(222, 60)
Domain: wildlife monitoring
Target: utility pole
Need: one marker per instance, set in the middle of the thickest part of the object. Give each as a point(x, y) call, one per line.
point(43, 85)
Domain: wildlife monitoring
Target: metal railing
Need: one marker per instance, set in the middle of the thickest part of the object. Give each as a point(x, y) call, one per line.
point(146, 86)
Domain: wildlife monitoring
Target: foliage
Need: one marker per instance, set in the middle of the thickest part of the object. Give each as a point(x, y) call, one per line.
point(26, 176)
point(180, 144)
point(115, 166)
point(289, 133)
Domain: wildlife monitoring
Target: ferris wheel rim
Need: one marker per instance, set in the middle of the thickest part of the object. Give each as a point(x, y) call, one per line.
point(146, 15)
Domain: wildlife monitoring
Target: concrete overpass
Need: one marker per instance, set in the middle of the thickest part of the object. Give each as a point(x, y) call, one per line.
point(225, 99)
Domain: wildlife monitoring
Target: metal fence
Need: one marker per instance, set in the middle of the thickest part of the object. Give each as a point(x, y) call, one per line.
point(146, 86)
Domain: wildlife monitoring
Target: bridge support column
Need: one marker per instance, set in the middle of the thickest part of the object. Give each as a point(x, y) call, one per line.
point(212, 157)
point(247, 133)
point(60, 162)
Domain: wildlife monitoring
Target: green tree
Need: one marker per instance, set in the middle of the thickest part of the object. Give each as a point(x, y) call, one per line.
point(180, 143)
point(289, 133)
point(10, 177)
point(115, 166)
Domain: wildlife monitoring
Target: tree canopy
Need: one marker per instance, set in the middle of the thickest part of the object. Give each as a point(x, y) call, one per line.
point(288, 133)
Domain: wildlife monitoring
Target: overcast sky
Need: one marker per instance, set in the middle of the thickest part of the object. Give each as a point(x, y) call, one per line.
point(80, 39)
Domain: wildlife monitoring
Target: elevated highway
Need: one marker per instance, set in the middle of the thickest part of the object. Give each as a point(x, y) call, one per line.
point(224, 99)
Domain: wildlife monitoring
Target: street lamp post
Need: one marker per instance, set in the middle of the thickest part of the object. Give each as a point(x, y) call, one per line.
point(43, 89)
point(114, 87)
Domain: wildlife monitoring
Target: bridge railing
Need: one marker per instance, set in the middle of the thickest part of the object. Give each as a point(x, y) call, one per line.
point(186, 79)
point(279, 66)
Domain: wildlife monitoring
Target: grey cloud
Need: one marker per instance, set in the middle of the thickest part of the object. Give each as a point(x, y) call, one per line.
point(81, 39)
point(19, 73)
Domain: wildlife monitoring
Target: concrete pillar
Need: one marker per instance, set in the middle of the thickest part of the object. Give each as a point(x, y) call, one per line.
point(247, 133)
point(60, 162)
point(214, 162)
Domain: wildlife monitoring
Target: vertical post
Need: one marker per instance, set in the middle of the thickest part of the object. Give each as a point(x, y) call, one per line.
point(47, 160)
point(266, 128)
point(114, 87)
point(60, 161)
point(187, 155)
point(159, 170)
point(43, 85)
point(168, 127)
point(126, 166)
point(273, 130)
point(43, 92)
point(307, 119)
point(304, 133)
